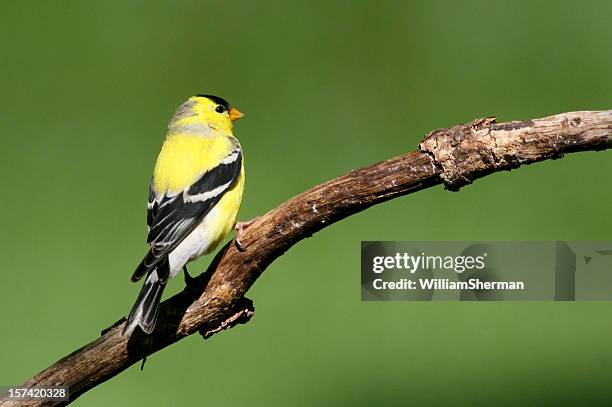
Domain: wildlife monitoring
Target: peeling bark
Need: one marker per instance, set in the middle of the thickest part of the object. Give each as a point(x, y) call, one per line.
point(467, 152)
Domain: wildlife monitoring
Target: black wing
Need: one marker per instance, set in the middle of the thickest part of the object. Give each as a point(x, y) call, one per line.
point(172, 217)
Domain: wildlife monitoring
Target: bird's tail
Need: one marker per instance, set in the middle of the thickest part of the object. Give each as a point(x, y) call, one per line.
point(144, 311)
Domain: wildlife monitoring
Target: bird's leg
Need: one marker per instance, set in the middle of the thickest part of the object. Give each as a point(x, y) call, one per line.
point(240, 228)
point(188, 279)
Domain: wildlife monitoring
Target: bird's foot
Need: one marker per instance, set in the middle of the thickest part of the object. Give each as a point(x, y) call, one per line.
point(240, 227)
point(189, 281)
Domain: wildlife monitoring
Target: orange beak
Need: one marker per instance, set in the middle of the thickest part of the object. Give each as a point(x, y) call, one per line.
point(235, 114)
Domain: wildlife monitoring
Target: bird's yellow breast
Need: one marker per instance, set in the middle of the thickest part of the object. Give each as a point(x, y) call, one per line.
point(184, 157)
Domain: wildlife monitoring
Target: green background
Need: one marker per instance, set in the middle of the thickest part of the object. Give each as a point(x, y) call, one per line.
point(87, 90)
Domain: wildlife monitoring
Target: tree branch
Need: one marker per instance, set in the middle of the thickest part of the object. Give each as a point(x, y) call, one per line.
point(215, 300)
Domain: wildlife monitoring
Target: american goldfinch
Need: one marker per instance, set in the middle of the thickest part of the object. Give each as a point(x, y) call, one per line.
point(194, 197)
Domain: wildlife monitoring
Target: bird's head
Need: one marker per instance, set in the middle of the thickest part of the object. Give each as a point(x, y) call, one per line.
point(210, 111)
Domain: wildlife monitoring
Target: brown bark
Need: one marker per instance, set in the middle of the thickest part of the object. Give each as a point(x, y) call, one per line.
point(215, 300)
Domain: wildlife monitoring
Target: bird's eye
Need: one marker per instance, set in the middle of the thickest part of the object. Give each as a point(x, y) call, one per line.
point(219, 109)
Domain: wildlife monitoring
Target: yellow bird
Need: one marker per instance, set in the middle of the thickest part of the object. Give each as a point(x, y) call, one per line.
point(195, 194)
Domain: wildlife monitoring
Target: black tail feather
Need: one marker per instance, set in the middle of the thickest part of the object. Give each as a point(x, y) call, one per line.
point(144, 311)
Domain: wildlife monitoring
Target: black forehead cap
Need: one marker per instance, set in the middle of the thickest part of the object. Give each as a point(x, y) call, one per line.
point(217, 100)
